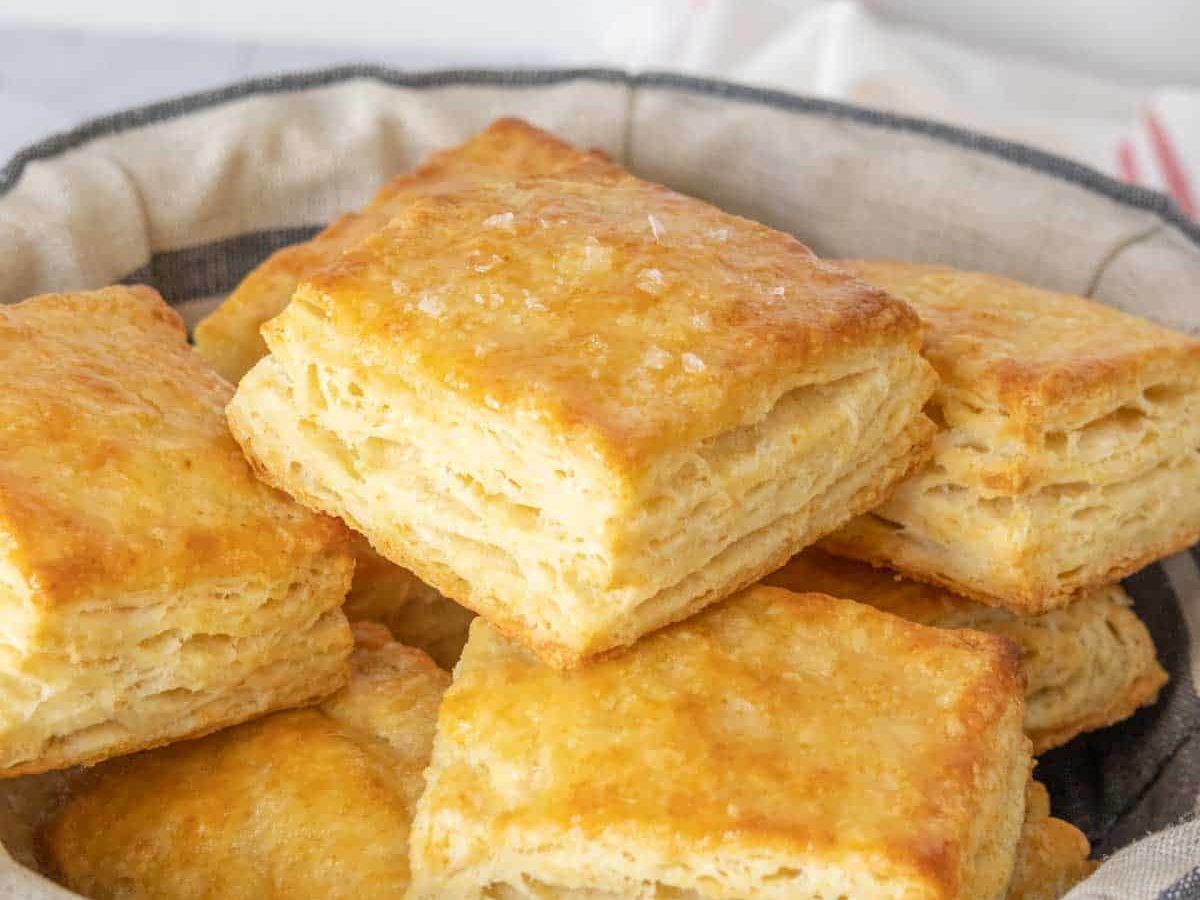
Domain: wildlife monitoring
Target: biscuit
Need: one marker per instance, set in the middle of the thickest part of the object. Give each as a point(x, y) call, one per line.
point(1086, 666)
point(509, 148)
point(306, 803)
point(152, 587)
point(229, 339)
point(585, 409)
point(416, 614)
point(776, 745)
point(1070, 450)
point(1052, 856)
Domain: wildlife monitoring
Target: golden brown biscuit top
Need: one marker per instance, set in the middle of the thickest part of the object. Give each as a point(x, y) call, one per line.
point(313, 802)
point(285, 806)
point(620, 312)
point(1024, 347)
point(773, 720)
point(506, 149)
point(393, 694)
point(296, 804)
point(117, 470)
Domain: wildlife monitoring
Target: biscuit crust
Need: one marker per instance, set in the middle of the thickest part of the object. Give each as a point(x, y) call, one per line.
point(1043, 357)
point(509, 148)
point(774, 745)
point(1086, 666)
point(307, 803)
point(116, 464)
point(582, 304)
point(152, 586)
point(1068, 452)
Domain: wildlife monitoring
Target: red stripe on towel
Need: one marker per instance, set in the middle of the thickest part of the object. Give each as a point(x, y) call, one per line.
point(1127, 165)
point(1173, 174)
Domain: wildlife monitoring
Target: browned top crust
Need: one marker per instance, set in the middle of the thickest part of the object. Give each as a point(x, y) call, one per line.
point(772, 723)
point(315, 802)
point(508, 148)
point(1039, 355)
point(117, 470)
point(622, 316)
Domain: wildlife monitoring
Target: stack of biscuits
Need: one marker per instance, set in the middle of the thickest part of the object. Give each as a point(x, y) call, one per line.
point(760, 576)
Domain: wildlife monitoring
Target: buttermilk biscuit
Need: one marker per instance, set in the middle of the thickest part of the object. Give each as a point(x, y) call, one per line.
point(308, 803)
point(777, 745)
point(416, 614)
point(584, 409)
point(509, 148)
point(1086, 666)
point(1070, 453)
point(152, 588)
point(1052, 856)
point(229, 339)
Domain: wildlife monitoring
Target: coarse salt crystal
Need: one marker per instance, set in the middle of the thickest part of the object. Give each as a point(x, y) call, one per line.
point(702, 321)
point(650, 281)
point(719, 234)
point(499, 220)
point(656, 358)
point(779, 291)
point(431, 305)
point(656, 227)
point(595, 254)
point(692, 363)
point(533, 303)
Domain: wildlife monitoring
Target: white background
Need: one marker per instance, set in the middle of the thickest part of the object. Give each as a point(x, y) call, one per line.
point(1077, 77)
point(1142, 39)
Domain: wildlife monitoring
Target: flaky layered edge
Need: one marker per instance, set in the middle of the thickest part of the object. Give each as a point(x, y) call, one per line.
point(278, 423)
point(1033, 552)
point(86, 682)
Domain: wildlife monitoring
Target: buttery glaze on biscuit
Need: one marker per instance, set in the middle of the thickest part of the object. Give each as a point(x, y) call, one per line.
point(1070, 452)
point(152, 587)
point(309, 803)
point(582, 305)
point(1086, 666)
point(776, 745)
point(509, 148)
point(585, 409)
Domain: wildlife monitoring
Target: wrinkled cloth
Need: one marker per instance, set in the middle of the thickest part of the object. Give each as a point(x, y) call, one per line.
point(1144, 135)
